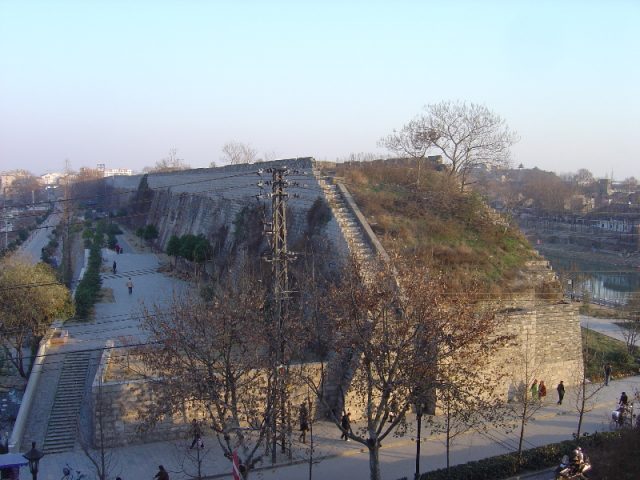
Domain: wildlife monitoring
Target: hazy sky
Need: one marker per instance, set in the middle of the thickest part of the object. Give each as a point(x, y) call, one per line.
point(122, 82)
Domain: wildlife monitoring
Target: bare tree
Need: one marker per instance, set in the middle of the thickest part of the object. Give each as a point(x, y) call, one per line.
point(523, 403)
point(467, 135)
point(235, 153)
point(101, 458)
point(586, 391)
point(385, 323)
point(214, 358)
point(583, 177)
point(467, 397)
point(630, 184)
point(171, 163)
point(630, 327)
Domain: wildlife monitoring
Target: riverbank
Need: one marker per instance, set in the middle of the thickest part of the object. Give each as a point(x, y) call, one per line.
point(605, 257)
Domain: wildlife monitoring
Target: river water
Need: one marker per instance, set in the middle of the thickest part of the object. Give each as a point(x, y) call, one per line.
point(604, 282)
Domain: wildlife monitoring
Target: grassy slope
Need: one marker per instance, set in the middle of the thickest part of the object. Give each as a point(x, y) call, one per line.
point(432, 220)
point(606, 350)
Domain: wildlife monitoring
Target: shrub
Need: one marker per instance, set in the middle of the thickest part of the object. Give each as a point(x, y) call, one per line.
point(150, 232)
point(504, 466)
point(88, 289)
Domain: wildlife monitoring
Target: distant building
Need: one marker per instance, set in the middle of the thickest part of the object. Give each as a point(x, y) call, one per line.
point(51, 178)
point(112, 172)
point(7, 179)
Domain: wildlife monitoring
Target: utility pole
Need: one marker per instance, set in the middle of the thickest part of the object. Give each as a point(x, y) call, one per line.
point(279, 258)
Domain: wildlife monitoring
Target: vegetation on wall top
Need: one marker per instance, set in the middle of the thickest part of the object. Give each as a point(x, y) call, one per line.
point(433, 220)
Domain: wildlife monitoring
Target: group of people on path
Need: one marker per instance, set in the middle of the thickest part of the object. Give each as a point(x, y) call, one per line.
point(538, 391)
point(114, 268)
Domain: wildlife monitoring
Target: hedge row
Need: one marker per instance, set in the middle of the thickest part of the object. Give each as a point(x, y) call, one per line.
point(505, 466)
point(89, 287)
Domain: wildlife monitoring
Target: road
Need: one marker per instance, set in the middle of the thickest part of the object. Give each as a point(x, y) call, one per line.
point(32, 247)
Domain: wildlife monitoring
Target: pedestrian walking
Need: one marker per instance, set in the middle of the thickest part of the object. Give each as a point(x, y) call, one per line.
point(534, 390)
point(393, 407)
point(304, 422)
point(196, 431)
point(130, 286)
point(345, 422)
point(560, 389)
point(542, 391)
point(162, 474)
point(114, 267)
point(607, 374)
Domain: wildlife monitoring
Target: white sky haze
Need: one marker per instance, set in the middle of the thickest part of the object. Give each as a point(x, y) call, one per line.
point(122, 82)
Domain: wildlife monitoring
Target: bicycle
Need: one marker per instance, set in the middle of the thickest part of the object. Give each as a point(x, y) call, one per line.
point(622, 417)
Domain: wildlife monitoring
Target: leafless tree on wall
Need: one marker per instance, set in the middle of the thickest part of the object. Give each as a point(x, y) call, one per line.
point(235, 153)
point(466, 135)
point(170, 163)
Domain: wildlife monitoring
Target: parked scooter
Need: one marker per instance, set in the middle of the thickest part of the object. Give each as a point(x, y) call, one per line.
point(574, 469)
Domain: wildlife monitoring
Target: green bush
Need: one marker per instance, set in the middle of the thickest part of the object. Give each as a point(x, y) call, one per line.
point(88, 289)
point(150, 232)
point(195, 248)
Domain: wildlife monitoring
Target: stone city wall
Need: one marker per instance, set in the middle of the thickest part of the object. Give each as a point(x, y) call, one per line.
point(208, 201)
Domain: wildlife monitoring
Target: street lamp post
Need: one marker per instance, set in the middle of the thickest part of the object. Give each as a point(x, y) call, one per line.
point(33, 456)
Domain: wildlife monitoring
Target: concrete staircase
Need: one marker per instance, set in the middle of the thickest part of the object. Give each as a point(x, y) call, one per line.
point(63, 421)
point(351, 228)
point(342, 365)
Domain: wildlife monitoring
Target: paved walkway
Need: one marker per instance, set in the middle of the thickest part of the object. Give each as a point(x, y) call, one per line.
point(606, 326)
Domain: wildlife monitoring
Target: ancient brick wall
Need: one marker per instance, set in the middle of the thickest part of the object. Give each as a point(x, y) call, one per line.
point(208, 201)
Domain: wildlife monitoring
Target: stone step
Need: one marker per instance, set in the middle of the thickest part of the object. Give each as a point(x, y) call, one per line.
point(62, 424)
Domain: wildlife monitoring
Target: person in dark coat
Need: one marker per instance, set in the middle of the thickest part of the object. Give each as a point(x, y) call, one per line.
point(162, 474)
point(346, 426)
point(304, 422)
point(560, 389)
point(196, 431)
point(607, 374)
point(624, 400)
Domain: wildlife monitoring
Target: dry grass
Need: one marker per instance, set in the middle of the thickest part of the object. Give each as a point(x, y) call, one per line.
point(434, 221)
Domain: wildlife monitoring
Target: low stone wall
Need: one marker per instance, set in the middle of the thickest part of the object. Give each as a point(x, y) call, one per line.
point(117, 407)
point(546, 345)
